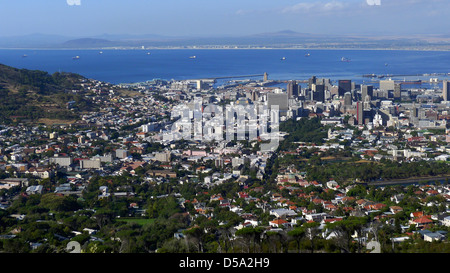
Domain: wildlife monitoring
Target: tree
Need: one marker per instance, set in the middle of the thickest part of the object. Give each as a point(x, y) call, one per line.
point(225, 238)
point(298, 234)
point(195, 234)
point(273, 238)
point(311, 232)
point(344, 230)
point(55, 202)
point(250, 235)
point(103, 217)
point(129, 235)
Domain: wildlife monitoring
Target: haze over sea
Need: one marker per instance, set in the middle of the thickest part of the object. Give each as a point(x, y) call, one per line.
point(130, 66)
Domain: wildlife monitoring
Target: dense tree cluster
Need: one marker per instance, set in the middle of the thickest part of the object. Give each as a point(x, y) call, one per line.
point(303, 130)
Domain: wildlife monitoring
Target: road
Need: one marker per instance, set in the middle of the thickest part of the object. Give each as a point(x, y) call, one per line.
point(409, 181)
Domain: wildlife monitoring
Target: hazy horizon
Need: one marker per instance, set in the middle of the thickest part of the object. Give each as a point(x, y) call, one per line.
point(172, 18)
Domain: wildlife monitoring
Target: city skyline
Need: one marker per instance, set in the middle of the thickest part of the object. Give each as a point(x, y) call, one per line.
point(224, 18)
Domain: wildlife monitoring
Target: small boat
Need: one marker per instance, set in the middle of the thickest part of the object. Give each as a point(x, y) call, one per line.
point(192, 57)
point(343, 59)
point(148, 53)
point(76, 57)
point(284, 58)
point(307, 55)
point(101, 52)
point(24, 55)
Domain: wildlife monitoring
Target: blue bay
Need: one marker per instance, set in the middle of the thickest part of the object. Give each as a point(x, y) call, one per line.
point(127, 66)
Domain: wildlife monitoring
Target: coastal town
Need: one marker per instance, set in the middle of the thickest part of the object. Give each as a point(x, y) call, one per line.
point(253, 165)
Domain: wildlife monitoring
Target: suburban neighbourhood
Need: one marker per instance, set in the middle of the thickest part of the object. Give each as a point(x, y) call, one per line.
point(158, 169)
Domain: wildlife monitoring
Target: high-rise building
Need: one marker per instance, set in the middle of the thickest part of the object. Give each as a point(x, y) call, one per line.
point(446, 90)
point(397, 91)
point(366, 90)
point(279, 99)
point(360, 113)
point(318, 93)
point(254, 95)
point(355, 86)
point(312, 81)
point(293, 89)
point(414, 111)
point(387, 85)
point(344, 87)
point(348, 99)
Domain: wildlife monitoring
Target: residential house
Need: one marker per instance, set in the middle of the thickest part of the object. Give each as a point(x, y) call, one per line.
point(282, 213)
point(279, 223)
point(162, 173)
point(7, 183)
point(316, 217)
point(40, 172)
point(430, 236)
point(446, 221)
point(421, 221)
point(395, 209)
point(433, 236)
point(37, 189)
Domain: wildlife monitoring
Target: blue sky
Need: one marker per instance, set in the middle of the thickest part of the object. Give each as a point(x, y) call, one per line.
point(222, 17)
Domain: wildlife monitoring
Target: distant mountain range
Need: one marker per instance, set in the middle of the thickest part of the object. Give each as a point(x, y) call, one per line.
point(281, 39)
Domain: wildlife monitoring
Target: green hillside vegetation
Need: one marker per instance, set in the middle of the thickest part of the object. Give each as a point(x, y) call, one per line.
point(303, 130)
point(29, 95)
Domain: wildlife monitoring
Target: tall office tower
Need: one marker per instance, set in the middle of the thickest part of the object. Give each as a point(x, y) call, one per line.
point(347, 99)
point(413, 111)
point(397, 91)
point(280, 99)
point(359, 113)
point(387, 85)
point(292, 89)
point(355, 86)
point(311, 82)
point(255, 95)
point(318, 93)
point(344, 87)
point(266, 76)
point(355, 95)
point(446, 90)
point(366, 90)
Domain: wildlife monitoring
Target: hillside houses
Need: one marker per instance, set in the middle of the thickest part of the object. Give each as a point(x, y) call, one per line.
point(122, 154)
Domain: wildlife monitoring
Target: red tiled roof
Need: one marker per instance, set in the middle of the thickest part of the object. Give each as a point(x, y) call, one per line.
point(423, 220)
point(279, 221)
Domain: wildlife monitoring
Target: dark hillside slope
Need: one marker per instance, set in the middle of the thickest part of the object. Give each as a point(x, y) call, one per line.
point(29, 95)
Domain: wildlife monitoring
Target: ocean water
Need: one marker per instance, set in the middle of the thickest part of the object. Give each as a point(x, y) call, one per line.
point(128, 66)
